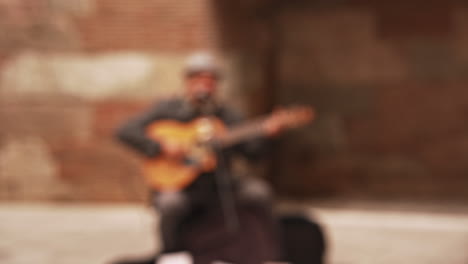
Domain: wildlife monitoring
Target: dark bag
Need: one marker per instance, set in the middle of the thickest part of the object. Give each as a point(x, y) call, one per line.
point(302, 240)
point(299, 240)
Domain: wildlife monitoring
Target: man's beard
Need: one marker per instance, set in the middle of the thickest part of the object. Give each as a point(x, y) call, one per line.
point(205, 102)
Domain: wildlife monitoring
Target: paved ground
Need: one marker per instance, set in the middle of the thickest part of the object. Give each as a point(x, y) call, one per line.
point(78, 234)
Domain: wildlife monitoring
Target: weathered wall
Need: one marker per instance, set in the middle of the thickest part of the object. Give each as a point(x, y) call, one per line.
point(389, 80)
point(71, 72)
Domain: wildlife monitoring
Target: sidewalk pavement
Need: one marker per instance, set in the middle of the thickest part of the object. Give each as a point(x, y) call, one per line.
point(88, 234)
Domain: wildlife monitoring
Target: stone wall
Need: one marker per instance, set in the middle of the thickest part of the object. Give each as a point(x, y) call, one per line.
point(71, 72)
point(389, 81)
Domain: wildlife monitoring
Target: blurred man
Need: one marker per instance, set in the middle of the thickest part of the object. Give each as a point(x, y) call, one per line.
point(198, 103)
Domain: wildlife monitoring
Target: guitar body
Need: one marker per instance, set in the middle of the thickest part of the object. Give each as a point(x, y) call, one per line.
point(167, 174)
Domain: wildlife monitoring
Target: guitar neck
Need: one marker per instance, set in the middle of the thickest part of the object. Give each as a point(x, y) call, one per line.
point(242, 133)
point(291, 118)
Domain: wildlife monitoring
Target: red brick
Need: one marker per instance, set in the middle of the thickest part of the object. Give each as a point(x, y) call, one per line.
point(109, 115)
point(413, 122)
point(49, 117)
point(149, 25)
point(410, 19)
point(100, 170)
point(410, 115)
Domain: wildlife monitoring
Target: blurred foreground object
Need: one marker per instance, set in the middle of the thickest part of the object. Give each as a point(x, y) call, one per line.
point(302, 240)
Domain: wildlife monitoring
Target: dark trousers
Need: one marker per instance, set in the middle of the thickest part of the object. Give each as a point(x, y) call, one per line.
point(175, 206)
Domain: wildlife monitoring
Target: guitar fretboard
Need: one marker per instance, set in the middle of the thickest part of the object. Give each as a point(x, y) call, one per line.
point(242, 132)
point(291, 118)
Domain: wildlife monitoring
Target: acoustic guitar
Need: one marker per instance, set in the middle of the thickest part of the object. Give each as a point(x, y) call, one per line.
point(201, 137)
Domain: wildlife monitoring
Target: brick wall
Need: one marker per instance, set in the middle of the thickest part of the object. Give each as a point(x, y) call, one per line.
point(177, 26)
point(387, 79)
point(389, 82)
point(73, 71)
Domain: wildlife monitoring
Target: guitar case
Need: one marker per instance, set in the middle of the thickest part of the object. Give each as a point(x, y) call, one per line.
point(297, 239)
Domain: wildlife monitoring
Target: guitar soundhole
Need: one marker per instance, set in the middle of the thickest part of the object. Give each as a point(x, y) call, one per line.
point(205, 129)
point(190, 162)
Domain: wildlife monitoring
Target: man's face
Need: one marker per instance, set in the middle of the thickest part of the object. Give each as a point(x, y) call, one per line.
point(201, 87)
